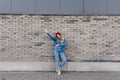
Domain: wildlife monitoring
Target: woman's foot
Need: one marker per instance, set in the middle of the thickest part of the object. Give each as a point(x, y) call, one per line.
point(59, 72)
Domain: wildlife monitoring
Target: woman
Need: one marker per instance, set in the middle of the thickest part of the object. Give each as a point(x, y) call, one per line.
point(59, 48)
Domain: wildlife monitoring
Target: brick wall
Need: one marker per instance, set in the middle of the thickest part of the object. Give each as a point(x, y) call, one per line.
point(90, 38)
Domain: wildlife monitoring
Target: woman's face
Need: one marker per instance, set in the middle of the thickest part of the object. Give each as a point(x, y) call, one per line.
point(59, 36)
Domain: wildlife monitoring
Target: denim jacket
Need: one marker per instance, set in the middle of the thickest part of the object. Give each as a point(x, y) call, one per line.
point(58, 45)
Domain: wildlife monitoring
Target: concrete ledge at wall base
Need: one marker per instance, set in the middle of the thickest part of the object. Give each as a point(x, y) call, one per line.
point(50, 66)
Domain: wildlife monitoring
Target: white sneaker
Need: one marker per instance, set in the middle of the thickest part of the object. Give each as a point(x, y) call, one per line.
point(59, 72)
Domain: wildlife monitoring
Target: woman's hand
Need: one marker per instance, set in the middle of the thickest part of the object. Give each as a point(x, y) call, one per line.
point(46, 31)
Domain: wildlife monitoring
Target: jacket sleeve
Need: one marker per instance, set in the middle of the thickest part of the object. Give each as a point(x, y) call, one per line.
point(64, 43)
point(51, 37)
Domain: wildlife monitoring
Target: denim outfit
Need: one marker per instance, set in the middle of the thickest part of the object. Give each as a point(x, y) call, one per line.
point(59, 48)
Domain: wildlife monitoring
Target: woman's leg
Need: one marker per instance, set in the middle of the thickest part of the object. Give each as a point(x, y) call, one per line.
point(64, 60)
point(56, 53)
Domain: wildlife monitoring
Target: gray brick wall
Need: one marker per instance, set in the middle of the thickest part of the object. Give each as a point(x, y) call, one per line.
point(90, 38)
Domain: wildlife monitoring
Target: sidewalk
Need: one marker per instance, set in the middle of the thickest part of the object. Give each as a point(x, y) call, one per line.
point(63, 76)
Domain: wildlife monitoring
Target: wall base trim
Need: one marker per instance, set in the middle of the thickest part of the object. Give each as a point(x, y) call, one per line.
point(50, 66)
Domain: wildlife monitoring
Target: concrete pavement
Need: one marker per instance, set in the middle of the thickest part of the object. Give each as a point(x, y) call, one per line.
point(64, 76)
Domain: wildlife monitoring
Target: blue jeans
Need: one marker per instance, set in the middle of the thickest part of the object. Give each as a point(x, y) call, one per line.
point(58, 55)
